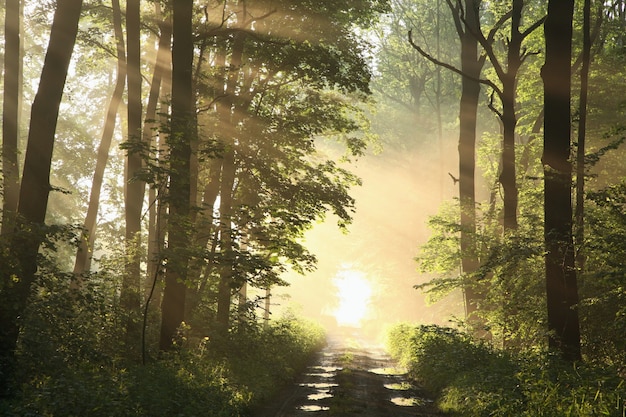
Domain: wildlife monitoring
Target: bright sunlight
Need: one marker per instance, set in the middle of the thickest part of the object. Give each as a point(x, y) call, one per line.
point(354, 292)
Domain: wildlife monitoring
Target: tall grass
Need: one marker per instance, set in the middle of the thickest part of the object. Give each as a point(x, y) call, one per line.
point(72, 364)
point(470, 378)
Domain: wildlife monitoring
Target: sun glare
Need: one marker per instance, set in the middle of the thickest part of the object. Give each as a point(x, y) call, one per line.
point(354, 292)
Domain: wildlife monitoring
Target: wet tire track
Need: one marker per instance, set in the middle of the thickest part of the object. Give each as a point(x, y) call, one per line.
point(360, 380)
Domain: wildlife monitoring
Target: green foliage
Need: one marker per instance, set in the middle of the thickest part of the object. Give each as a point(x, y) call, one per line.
point(470, 378)
point(183, 385)
point(72, 360)
point(265, 359)
point(603, 305)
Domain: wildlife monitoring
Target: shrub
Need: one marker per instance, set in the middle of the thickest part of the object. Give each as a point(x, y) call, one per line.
point(470, 378)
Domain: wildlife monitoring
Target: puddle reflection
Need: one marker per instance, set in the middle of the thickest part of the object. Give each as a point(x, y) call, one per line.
point(403, 386)
point(319, 396)
point(318, 385)
point(406, 402)
point(321, 374)
point(313, 408)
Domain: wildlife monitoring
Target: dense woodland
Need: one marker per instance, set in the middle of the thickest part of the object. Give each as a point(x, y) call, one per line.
point(162, 161)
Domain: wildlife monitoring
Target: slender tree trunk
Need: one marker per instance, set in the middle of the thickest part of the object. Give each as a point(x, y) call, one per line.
point(561, 283)
point(84, 252)
point(161, 69)
point(204, 233)
point(227, 186)
point(442, 157)
point(268, 305)
point(158, 228)
point(226, 239)
point(509, 119)
point(470, 93)
point(135, 188)
point(10, 114)
point(243, 302)
point(580, 150)
point(173, 306)
point(35, 186)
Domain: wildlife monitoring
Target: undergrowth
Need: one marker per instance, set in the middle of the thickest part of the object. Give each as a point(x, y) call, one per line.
point(473, 379)
point(76, 367)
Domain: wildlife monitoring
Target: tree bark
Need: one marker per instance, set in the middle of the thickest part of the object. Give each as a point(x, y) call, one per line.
point(35, 186)
point(134, 188)
point(10, 114)
point(226, 240)
point(561, 283)
point(227, 186)
point(471, 65)
point(162, 68)
point(173, 306)
point(580, 149)
point(509, 119)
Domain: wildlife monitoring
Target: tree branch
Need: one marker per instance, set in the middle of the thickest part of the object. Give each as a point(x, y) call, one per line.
point(457, 11)
point(452, 67)
point(532, 27)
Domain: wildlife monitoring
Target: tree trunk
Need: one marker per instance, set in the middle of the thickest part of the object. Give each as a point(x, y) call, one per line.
point(470, 92)
point(226, 240)
point(509, 119)
point(161, 70)
point(158, 228)
point(268, 306)
point(84, 252)
point(129, 297)
point(580, 150)
point(561, 284)
point(35, 187)
point(226, 116)
point(173, 306)
point(204, 232)
point(10, 114)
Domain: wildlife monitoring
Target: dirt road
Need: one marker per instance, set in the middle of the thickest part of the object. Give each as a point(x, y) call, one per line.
point(351, 379)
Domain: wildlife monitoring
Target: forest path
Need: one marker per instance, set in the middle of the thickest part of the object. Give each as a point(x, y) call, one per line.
point(351, 379)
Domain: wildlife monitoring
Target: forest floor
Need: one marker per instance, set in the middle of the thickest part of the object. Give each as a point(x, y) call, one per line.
point(350, 378)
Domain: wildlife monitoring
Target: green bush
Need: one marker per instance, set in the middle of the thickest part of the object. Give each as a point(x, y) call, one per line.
point(72, 362)
point(469, 378)
point(263, 359)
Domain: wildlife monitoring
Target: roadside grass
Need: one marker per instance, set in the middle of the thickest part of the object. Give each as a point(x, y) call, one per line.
point(223, 378)
point(473, 379)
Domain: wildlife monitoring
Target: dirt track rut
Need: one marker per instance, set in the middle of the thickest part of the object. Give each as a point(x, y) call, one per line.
point(351, 379)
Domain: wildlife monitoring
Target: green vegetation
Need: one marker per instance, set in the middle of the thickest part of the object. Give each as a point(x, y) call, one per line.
point(471, 378)
point(72, 361)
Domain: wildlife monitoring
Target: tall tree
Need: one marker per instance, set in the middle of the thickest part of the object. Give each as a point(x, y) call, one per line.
point(466, 15)
point(582, 131)
point(467, 21)
point(10, 114)
point(271, 95)
point(181, 135)
point(507, 75)
point(35, 187)
point(228, 180)
point(159, 87)
point(84, 252)
point(561, 282)
point(134, 186)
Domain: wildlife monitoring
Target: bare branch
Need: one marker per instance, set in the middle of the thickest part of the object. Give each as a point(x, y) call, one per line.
point(526, 54)
point(457, 11)
point(496, 27)
point(493, 109)
point(452, 67)
point(532, 27)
